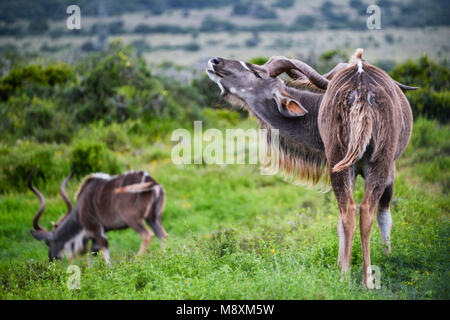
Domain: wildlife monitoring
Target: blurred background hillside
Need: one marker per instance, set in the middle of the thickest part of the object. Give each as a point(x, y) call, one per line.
point(187, 33)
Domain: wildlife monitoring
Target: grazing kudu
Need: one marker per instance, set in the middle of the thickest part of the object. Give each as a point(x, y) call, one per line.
point(103, 203)
point(303, 148)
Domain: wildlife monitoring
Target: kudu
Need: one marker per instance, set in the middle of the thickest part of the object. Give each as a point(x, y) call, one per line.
point(104, 203)
point(358, 121)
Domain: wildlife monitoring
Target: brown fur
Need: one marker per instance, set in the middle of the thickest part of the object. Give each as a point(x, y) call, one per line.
point(365, 122)
point(113, 210)
point(300, 164)
point(359, 125)
point(100, 208)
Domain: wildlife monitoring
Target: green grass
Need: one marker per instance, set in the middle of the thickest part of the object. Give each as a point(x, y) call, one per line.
point(235, 234)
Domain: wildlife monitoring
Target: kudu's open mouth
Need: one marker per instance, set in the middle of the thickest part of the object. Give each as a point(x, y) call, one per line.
point(215, 76)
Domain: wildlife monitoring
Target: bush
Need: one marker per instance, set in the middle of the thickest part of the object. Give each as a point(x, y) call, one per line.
point(283, 4)
point(304, 22)
point(114, 136)
point(94, 157)
point(38, 26)
point(429, 152)
point(192, 46)
point(36, 119)
point(331, 58)
point(432, 99)
point(259, 60)
point(17, 163)
point(35, 79)
point(45, 123)
point(241, 9)
point(211, 24)
point(49, 103)
point(117, 86)
point(88, 46)
point(262, 12)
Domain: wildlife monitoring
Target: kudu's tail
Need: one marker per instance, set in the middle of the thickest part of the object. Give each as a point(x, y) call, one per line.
point(360, 119)
point(156, 211)
point(137, 187)
point(153, 216)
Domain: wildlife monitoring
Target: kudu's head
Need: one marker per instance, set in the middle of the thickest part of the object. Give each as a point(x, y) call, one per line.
point(55, 245)
point(293, 112)
point(260, 90)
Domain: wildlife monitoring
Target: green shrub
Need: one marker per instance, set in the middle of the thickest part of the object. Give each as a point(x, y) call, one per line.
point(94, 156)
point(304, 22)
point(114, 136)
point(35, 119)
point(432, 99)
point(46, 123)
point(223, 242)
point(35, 78)
point(259, 60)
point(17, 162)
point(49, 103)
point(428, 152)
point(331, 58)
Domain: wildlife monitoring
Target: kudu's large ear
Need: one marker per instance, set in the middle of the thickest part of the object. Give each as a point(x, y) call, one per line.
point(288, 106)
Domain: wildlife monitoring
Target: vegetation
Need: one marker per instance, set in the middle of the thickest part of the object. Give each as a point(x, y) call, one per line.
point(233, 233)
point(433, 79)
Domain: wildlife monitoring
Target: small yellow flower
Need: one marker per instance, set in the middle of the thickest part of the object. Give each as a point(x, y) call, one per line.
point(330, 217)
point(207, 236)
point(186, 205)
point(273, 251)
point(123, 56)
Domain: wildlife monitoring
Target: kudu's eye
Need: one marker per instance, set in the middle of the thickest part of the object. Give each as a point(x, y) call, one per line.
point(256, 74)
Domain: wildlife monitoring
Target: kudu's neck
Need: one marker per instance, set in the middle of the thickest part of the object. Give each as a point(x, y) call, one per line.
point(307, 128)
point(70, 226)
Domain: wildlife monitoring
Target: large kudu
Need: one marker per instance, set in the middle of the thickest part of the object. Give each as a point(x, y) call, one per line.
point(357, 121)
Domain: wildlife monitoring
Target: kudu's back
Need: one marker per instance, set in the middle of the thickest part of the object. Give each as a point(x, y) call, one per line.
point(363, 110)
point(99, 197)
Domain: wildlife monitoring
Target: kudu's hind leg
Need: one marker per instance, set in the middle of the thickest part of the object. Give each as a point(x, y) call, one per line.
point(340, 228)
point(146, 235)
point(342, 187)
point(384, 214)
point(154, 214)
point(373, 190)
point(157, 227)
point(340, 231)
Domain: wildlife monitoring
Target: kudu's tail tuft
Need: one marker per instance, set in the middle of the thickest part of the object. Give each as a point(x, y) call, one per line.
point(360, 120)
